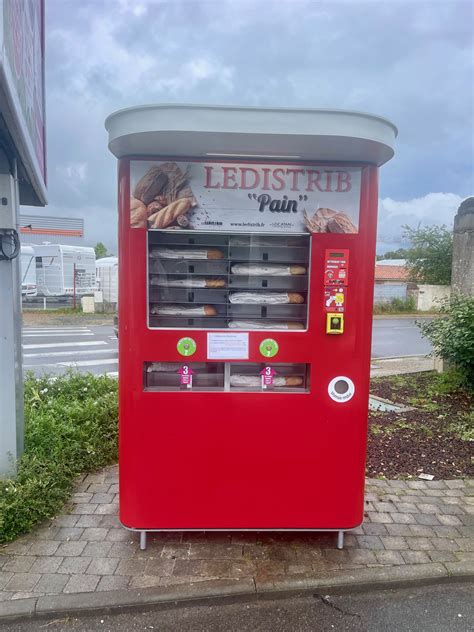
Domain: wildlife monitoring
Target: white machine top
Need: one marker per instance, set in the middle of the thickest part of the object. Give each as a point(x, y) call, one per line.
point(248, 132)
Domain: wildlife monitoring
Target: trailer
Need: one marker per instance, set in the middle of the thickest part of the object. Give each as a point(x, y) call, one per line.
point(28, 272)
point(65, 270)
point(106, 276)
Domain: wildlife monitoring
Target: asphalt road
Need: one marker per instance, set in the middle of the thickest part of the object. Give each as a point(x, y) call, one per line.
point(395, 337)
point(94, 349)
point(55, 349)
point(448, 608)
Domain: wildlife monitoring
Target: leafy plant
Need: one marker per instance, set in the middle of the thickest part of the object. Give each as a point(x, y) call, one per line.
point(70, 427)
point(430, 256)
point(452, 336)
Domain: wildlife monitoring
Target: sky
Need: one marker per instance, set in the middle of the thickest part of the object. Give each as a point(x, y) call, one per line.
point(411, 62)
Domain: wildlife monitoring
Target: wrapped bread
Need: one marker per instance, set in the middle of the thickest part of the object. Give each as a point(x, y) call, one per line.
point(183, 310)
point(171, 367)
point(263, 324)
point(254, 381)
point(260, 269)
point(186, 253)
point(265, 298)
point(197, 282)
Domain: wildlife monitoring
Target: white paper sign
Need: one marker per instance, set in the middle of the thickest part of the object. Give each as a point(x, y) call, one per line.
point(245, 197)
point(228, 346)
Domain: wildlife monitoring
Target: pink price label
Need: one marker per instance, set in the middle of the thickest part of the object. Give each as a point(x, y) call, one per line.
point(186, 375)
point(267, 376)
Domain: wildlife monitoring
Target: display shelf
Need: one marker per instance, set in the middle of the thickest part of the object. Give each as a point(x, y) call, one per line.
point(272, 265)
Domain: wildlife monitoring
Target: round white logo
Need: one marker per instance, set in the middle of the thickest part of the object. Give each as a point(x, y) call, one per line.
point(341, 389)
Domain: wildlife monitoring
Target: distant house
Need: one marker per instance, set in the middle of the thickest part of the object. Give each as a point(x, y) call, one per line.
point(391, 280)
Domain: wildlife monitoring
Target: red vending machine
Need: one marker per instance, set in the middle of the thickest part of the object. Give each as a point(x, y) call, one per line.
point(246, 266)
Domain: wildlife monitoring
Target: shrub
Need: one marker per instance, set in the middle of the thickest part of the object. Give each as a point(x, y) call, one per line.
point(452, 335)
point(396, 306)
point(70, 427)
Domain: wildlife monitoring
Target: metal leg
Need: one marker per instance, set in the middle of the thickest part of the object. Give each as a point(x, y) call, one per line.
point(340, 539)
point(142, 540)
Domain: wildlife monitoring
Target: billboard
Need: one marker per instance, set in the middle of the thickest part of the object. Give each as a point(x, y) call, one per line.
point(244, 196)
point(22, 102)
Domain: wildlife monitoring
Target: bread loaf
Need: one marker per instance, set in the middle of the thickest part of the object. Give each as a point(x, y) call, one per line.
point(151, 185)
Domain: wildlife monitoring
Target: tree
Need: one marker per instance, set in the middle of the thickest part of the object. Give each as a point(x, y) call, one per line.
point(100, 251)
point(430, 256)
point(401, 253)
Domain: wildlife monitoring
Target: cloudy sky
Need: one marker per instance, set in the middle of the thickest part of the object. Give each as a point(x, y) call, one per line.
point(408, 61)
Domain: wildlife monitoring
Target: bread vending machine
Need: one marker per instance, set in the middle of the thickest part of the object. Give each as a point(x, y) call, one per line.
point(246, 266)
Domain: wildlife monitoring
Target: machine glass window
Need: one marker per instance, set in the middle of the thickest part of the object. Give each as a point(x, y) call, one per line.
point(175, 376)
point(227, 281)
point(288, 378)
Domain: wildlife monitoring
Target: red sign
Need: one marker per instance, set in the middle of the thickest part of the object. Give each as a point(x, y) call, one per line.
point(334, 298)
point(336, 267)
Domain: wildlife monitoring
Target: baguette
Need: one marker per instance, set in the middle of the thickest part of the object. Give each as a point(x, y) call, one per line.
point(170, 213)
point(266, 269)
point(263, 324)
point(265, 298)
point(292, 381)
point(138, 213)
point(215, 283)
point(213, 253)
point(294, 297)
point(254, 381)
point(195, 282)
point(185, 253)
point(294, 270)
point(183, 310)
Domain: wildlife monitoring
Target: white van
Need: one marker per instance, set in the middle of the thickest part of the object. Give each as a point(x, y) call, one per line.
point(63, 270)
point(28, 272)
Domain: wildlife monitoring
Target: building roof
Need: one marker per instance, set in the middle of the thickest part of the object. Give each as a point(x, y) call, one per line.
point(390, 273)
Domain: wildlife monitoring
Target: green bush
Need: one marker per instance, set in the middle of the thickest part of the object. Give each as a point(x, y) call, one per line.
point(396, 306)
point(452, 335)
point(70, 427)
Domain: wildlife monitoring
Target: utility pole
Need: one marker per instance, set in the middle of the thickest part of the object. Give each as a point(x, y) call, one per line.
point(11, 370)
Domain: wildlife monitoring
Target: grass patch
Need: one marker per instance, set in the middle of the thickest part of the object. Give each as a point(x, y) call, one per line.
point(396, 306)
point(70, 428)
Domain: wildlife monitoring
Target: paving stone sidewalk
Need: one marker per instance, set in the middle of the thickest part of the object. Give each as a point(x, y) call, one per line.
point(382, 367)
point(85, 549)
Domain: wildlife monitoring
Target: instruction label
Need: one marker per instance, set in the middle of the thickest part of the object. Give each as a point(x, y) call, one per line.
point(228, 346)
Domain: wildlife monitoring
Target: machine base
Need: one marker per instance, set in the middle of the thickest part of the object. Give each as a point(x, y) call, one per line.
point(340, 534)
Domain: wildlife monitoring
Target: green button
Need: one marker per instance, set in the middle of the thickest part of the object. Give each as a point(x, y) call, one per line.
point(269, 347)
point(186, 346)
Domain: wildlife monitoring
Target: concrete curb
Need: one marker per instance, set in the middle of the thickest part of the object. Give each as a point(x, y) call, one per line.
point(226, 591)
